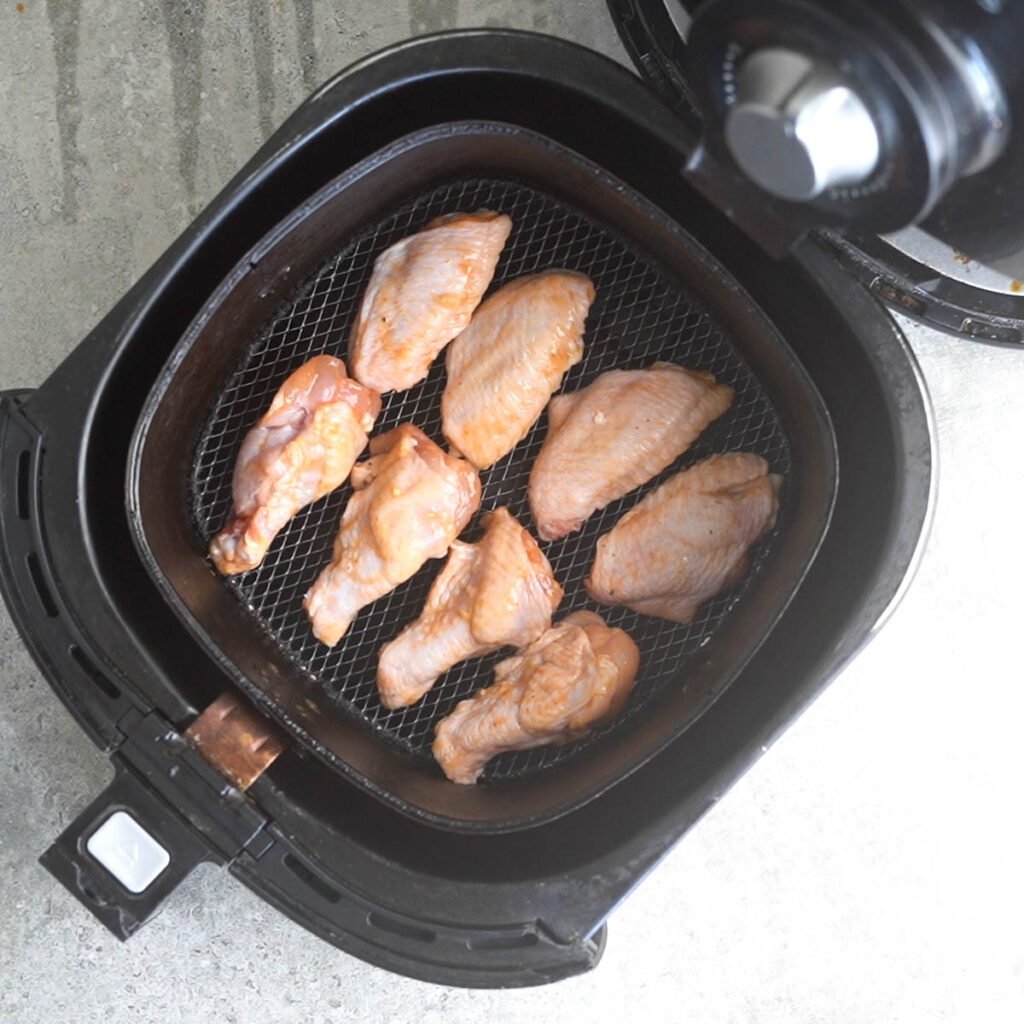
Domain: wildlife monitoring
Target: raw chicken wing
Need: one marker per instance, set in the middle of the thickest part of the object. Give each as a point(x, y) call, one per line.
point(303, 448)
point(411, 501)
point(687, 540)
point(421, 294)
point(498, 591)
point(615, 435)
point(578, 674)
point(505, 366)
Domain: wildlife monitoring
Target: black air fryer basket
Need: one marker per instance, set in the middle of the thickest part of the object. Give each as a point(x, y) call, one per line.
point(353, 831)
point(296, 295)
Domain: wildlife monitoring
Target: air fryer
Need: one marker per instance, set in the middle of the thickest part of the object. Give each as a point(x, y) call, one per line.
point(200, 705)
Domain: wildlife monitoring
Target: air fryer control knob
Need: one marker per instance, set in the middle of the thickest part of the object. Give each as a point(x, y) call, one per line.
point(796, 128)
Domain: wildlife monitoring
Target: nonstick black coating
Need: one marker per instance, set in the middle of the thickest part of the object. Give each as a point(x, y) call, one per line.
point(296, 296)
point(640, 316)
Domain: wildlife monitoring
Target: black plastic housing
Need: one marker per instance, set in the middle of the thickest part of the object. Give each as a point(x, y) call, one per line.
point(514, 909)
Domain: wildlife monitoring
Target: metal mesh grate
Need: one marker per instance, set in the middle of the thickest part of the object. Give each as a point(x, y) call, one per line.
point(640, 315)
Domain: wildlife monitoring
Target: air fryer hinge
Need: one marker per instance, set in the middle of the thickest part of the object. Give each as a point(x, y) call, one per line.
point(220, 812)
point(238, 741)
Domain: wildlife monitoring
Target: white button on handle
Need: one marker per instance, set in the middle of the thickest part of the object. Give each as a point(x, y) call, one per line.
point(128, 852)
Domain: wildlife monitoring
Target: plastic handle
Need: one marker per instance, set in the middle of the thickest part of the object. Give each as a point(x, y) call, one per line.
point(149, 853)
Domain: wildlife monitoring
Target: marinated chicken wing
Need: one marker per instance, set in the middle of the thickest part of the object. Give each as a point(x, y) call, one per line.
point(687, 540)
point(498, 591)
point(615, 435)
point(302, 449)
point(421, 294)
point(412, 500)
point(576, 675)
point(505, 366)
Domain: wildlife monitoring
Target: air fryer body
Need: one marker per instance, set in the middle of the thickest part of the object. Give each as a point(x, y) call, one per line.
point(502, 909)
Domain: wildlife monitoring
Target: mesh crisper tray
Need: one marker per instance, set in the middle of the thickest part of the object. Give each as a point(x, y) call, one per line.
point(640, 315)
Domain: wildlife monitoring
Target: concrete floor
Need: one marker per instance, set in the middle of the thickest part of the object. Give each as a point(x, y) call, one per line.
point(867, 870)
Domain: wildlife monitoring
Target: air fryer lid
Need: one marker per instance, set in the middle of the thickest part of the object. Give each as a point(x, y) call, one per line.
point(935, 226)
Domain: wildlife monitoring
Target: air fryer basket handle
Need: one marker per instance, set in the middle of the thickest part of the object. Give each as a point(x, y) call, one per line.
point(131, 827)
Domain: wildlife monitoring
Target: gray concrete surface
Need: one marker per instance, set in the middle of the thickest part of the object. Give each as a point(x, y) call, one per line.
point(867, 870)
